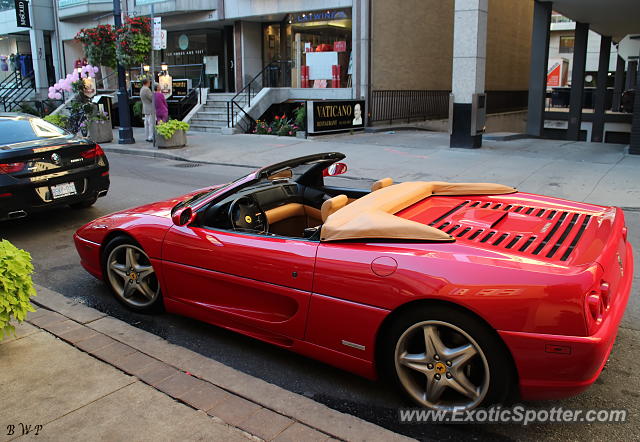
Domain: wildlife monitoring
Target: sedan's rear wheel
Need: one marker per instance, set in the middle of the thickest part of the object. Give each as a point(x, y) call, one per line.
point(445, 359)
point(131, 276)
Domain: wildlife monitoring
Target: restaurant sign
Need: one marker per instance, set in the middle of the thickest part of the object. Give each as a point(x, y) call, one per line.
point(335, 115)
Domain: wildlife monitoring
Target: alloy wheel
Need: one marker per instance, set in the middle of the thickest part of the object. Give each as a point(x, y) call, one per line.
point(132, 277)
point(441, 366)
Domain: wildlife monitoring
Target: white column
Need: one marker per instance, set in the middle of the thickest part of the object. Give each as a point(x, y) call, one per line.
point(469, 63)
point(36, 37)
point(360, 36)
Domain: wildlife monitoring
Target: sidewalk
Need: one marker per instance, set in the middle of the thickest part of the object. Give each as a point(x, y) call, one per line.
point(74, 373)
point(590, 172)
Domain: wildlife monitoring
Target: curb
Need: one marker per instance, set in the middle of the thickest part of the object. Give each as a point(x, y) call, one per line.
point(167, 156)
point(240, 400)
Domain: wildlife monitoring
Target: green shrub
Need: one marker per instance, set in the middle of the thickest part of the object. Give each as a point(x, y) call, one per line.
point(58, 119)
point(16, 286)
point(166, 130)
point(300, 117)
point(137, 109)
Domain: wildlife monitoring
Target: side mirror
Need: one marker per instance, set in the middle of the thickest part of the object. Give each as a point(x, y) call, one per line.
point(335, 169)
point(183, 216)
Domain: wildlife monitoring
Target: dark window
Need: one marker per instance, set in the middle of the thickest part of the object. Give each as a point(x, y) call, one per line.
point(566, 44)
point(21, 130)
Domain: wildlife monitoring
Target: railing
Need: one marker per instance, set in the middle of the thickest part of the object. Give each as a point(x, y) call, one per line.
point(275, 74)
point(39, 108)
point(16, 89)
point(408, 105)
point(180, 107)
point(433, 105)
point(195, 72)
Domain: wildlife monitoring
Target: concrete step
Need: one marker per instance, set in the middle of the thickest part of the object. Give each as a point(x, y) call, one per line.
point(208, 121)
point(209, 129)
point(206, 113)
point(220, 107)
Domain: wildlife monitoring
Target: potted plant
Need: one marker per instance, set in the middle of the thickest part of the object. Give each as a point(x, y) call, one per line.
point(173, 133)
point(16, 286)
point(100, 128)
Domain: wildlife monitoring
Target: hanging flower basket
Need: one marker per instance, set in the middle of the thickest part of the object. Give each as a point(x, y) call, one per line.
point(133, 41)
point(99, 45)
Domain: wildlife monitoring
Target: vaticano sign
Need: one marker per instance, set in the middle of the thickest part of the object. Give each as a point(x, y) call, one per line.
point(335, 115)
point(22, 14)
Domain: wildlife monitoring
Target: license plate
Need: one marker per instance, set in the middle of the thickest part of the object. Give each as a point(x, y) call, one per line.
point(62, 190)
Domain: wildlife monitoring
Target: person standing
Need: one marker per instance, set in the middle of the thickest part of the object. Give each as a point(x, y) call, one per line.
point(162, 109)
point(146, 96)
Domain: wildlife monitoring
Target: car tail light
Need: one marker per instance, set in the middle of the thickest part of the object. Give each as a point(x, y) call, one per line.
point(95, 151)
point(624, 233)
point(597, 302)
point(11, 167)
point(594, 306)
point(604, 294)
point(5, 195)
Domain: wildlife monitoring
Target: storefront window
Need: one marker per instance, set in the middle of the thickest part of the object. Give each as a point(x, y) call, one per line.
point(317, 48)
point(187, 52)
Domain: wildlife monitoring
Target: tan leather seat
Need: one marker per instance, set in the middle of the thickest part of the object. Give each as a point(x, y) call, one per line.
point(333, 205)
point(384, 182)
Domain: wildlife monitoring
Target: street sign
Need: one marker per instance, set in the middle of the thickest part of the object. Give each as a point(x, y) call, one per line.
point(629, 47)
point(156, 34)
point(163, 39)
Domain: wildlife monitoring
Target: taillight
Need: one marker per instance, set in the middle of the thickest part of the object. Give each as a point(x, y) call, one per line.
point(95, 151)
point(11, 167)
point(597, 302)
point(594, 306)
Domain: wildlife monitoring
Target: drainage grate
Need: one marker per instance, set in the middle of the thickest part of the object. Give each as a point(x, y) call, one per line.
point(187, 164)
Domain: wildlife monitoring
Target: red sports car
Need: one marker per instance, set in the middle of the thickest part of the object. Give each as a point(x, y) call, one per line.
point(460, 293)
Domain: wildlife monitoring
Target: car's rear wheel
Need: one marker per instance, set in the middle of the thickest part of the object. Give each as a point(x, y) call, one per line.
point(446, 359)
point(130, 275)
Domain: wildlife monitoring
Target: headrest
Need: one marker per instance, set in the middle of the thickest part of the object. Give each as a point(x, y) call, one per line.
point(384, 182)
point(332, 205)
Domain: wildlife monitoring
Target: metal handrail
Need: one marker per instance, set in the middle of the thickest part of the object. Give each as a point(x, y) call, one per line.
point(231, 104)
point(18, 92)
point(13, 76)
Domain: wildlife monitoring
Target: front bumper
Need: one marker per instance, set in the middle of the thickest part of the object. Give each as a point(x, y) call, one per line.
point(89, 252)
point(557, 366)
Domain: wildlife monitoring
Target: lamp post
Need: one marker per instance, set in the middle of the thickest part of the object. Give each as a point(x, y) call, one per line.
point(125, 133)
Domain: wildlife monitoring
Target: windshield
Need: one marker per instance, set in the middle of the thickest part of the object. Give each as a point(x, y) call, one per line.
point(15, 130)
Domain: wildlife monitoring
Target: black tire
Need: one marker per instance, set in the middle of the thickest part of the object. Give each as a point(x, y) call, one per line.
point(138, 301)
point(501, 373)
point(84, 204)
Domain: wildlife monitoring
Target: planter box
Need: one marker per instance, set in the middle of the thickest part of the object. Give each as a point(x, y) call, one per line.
point(178, 139)
point(100, 131)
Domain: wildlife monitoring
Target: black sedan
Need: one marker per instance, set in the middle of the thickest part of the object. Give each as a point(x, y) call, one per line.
point(43, 166)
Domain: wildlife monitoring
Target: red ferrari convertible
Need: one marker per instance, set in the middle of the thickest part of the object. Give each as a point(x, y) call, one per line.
point(460, 293)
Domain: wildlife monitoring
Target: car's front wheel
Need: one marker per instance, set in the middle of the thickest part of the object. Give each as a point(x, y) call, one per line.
point(446, 359)
point(130, 275)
